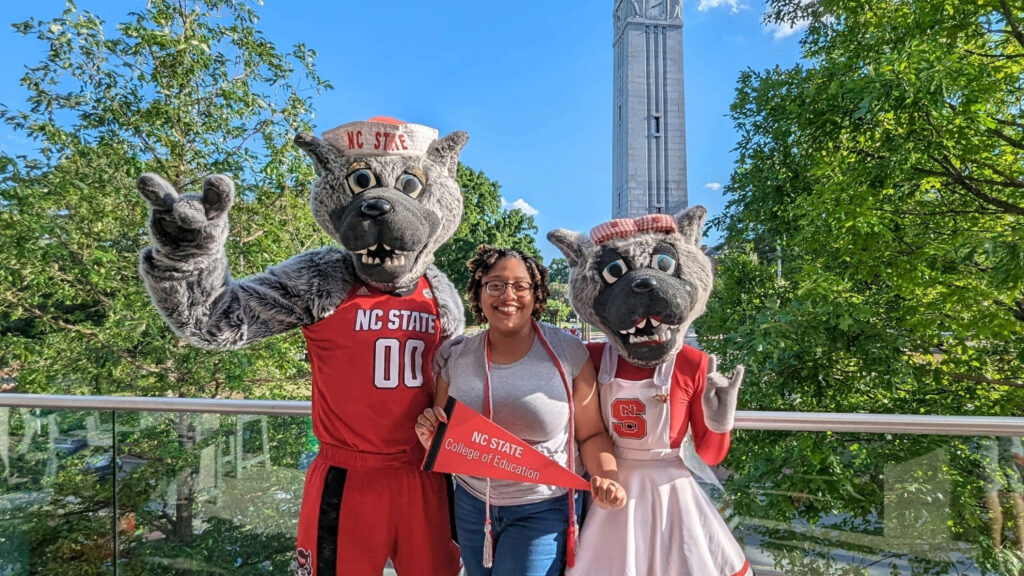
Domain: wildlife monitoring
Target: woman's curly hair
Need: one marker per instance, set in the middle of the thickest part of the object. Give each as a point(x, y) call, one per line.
point(486, 257)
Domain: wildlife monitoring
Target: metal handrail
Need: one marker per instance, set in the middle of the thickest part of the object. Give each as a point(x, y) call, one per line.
point(745, 419)
point(158, 404)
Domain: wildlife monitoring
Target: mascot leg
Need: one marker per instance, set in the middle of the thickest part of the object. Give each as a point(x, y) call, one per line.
point(421, 505)
point(352, 521)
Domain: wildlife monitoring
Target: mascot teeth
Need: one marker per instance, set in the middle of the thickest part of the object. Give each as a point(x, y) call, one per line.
point(655, 338)
point(661, 333)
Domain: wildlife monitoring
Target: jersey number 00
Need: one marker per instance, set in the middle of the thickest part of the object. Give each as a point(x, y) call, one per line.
point(395, 363)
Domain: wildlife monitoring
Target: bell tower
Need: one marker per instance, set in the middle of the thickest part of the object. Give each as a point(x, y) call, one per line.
point(648, 124)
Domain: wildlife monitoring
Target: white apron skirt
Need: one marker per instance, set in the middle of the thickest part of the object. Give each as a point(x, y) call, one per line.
point(668, 527)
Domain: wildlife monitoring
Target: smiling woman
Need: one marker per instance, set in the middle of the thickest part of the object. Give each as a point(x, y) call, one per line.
point(538, 383)
point(506, 289)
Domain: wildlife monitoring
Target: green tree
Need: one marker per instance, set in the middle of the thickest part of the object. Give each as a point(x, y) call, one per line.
point(483, 222)
point(884, 173)
point(558, 306)
point(558, 270)
point(184, 89)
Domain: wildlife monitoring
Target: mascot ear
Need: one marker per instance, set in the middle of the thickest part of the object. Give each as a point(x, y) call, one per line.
point(322, 153)
point(691, 224)
point(573, 244)
point(445, 152)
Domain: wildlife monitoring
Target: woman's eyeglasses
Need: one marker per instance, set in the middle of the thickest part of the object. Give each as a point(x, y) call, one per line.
point(519, 288)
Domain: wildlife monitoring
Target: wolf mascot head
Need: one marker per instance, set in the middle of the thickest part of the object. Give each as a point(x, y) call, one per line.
point(641, 281)
point(387, 192)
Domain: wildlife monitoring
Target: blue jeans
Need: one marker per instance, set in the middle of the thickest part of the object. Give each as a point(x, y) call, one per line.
point(529, 539)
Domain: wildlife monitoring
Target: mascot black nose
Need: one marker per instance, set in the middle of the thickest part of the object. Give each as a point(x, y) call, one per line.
point(644, 285)
point(376, 208)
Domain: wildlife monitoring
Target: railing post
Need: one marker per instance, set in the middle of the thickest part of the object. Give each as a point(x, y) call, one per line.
point(117, 513)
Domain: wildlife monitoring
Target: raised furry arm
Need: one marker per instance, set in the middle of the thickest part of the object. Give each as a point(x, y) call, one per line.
point(187, 276)
point(205, 306)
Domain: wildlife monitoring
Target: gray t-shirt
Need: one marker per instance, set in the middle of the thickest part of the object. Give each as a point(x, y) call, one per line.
point(528, 399)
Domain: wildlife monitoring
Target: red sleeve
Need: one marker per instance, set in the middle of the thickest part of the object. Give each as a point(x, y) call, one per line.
point(711, 446)
point(691, 372)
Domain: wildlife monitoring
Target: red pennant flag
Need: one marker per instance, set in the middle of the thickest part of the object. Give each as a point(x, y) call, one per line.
point(473, 445)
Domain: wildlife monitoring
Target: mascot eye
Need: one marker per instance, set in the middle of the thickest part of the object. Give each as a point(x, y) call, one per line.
point(665, 263)
point(361, 180)
point(613, 271)
point(410, 185)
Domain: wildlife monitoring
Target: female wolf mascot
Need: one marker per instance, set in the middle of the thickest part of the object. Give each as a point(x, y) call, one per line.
point(643, 281)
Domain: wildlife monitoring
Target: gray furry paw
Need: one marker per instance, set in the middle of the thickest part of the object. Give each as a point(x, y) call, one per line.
point(183, 225)
point(720, 397)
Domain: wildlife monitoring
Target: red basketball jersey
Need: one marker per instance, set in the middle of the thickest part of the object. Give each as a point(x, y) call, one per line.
point(371, 362)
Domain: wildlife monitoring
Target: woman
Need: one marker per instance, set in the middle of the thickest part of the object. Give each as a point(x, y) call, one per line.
point(529, 378)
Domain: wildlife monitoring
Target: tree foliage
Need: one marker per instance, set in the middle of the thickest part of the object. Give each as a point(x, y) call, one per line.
point(885, 174)
point(184, 89)
point(558, 270)
point(558, 307)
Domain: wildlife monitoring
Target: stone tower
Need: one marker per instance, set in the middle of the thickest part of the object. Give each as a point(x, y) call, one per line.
point(649, 129)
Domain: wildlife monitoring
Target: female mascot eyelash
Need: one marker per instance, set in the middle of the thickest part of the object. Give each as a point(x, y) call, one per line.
point(372, 315)
point(643, 281)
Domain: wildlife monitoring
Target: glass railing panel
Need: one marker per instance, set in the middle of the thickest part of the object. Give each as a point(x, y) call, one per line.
point(56, 493)
point(209, 493)
point(814, 503)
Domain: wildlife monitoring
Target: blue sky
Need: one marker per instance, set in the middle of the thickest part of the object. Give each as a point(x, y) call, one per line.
point(530, 81)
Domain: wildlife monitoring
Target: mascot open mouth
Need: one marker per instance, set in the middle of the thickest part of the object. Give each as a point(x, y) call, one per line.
point(382, 254)
point(649, 331)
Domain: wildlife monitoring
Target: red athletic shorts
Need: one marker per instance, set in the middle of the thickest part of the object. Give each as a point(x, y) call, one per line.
point(353, 520)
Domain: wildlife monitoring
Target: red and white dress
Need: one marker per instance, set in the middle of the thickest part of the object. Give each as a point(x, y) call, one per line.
point(668, 527)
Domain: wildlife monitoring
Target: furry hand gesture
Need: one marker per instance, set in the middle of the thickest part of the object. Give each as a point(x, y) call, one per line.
point(188, 225)
point(720, 397)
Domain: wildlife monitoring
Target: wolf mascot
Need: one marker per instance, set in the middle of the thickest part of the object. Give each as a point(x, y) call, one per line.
point(372, 316)
point(642, 282)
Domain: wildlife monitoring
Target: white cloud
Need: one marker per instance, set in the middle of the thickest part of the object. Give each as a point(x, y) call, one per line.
point(780, 31)
point(716, 186)
point(519, 204)
point(733, 5)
